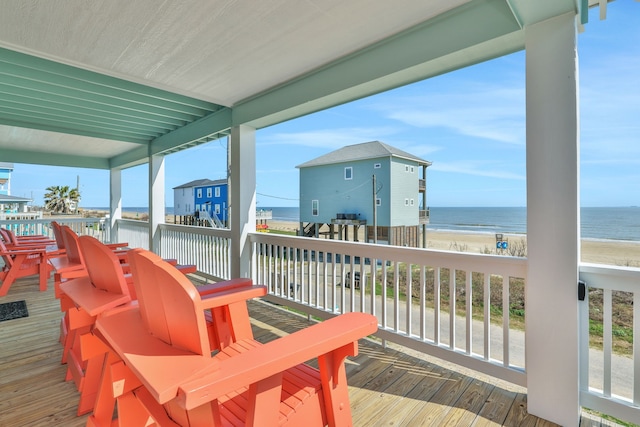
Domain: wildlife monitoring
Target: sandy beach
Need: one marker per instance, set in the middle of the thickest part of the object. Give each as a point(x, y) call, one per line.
point(612, 252)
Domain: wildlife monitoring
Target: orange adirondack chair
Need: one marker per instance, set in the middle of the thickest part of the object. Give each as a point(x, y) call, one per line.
point(84, 299)
point(72, 264)
point(20, 263)
point(167, 376)
point(102, 288)
point(13, 241)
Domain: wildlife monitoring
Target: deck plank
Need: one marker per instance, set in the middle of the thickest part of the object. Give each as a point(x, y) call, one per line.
point(496, 408)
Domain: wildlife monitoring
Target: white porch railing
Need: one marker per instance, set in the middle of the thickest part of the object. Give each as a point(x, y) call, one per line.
point(409, 290)
point(207, 248)
point(96, 227)
point(135, 233)
point(610, 383)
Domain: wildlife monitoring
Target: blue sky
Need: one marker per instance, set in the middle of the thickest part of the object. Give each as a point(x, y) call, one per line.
point(469, 123)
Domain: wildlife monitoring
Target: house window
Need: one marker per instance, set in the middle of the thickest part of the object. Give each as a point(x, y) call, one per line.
point(199, 193)
point(209, 192)
point(411, 202)
point(378, 201)
point(377, 166)
point(315, 207)
point(406, 202)
point(348, 172)
point(406, 168)
point(217, 191)
point(411, 169)
point(217, 208)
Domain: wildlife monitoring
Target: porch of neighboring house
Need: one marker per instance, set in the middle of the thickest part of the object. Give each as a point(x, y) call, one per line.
point(388, 386)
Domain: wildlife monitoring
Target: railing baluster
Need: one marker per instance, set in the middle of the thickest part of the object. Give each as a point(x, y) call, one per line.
point(469, 312)
point(409, 302)
point(423, 302)
point(436, 302)
point(396, 296)
point(636, 349)
point(607, 340)
point(452, 308)
point(505, 320)
point(487, 316)
point(384, 295)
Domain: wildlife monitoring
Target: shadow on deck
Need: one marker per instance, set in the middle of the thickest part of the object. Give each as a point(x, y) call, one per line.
point(392, 386)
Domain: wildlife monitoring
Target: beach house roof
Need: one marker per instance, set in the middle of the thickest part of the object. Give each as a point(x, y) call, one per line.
point(363, 151)
point(200, 183)
point(4, 198)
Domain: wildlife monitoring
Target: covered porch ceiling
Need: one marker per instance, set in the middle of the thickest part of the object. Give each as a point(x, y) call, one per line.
point(105, 84)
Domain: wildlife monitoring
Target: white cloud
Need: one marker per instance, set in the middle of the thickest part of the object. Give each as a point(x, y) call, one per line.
point(479, 110)
point(327, 138)
point(476, 168)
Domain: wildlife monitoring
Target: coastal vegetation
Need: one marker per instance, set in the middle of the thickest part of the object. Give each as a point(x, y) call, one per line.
point(61, 199)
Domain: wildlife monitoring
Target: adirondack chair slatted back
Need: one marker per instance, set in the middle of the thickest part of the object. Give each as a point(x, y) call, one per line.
point(57, 233)
point(169, 303)
point(4, 236)
point(71, 244)
point(12, 239)
point(6, 257)
point(102, 265)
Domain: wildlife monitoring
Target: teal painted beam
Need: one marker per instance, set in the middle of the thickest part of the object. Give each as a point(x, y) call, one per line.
point(29, 113)
point(31, 96)
point(52, 159)
point(131, 158)
point(410, 56)
point(91, 89)
point(78, 74)
point(54, 126)
point(69, 93)
point(583, 6)
point(212, 124)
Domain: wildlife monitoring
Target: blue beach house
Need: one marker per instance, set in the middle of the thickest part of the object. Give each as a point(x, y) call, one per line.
point(184, 197)
point(337, 191)
point(211, 197)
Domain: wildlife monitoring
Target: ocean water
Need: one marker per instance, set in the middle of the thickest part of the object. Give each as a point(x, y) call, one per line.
point(614, 223)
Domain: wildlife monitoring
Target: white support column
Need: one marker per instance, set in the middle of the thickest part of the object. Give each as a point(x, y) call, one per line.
point(553, 220)
point(156, 201)
point(115, 202)
point(242, 147)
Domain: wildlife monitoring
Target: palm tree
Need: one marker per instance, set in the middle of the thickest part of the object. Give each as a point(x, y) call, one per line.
point(61, 199)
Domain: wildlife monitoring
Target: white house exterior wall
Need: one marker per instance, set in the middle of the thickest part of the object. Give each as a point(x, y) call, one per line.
point(183, 201)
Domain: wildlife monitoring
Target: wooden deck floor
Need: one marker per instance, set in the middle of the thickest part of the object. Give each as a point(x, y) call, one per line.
point(392, 386)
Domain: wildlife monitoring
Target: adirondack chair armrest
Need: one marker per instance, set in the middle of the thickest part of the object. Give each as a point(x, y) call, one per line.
point(225, 285)
point(117, 246)
point(339, 334)
point(231, 294)
point(23, 251)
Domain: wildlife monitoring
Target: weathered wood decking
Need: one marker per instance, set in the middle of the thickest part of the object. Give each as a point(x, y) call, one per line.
point(392, 386)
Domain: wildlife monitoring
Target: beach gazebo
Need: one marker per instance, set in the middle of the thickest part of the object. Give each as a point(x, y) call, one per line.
point(112, 85)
